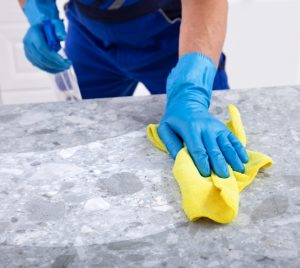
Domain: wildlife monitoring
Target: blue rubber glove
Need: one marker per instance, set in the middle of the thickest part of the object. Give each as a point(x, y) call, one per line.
point(35, 43)
point(186, 119)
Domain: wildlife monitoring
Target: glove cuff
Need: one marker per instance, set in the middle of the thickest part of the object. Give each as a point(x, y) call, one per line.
point(194, 71)
point(39, 11)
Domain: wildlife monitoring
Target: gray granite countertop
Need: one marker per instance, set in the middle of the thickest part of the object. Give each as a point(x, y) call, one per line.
point(81, 186)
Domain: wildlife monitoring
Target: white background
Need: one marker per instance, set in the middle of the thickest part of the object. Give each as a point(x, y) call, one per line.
point(262, 47)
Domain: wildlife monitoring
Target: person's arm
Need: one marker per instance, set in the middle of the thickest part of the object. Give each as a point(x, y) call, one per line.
point(203, 27)
point(187, 119)
point(35, 44)
point(21, 2)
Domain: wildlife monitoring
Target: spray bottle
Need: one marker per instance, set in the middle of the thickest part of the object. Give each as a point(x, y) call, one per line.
point(65, 83)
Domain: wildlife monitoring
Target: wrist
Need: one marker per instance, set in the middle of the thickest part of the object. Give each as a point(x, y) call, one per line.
point(194, 74)
point(39, 11)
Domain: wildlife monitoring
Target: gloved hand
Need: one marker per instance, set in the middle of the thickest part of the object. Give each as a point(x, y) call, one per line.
point(186, 119)
point(35, 43)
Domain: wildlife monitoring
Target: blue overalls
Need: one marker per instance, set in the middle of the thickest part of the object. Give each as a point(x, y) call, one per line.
point(114, 44)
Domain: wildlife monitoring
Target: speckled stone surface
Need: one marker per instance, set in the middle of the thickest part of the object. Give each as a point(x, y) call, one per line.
point(81, 186)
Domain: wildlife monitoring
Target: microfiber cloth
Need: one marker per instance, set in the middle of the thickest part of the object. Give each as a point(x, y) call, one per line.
point(212, 197)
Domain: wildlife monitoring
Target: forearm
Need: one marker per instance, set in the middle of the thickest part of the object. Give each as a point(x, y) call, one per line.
point(203, 27)
point(21, 2)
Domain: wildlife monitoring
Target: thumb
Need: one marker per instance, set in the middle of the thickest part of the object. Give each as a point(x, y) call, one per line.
point(170, 139)
point(59, 29)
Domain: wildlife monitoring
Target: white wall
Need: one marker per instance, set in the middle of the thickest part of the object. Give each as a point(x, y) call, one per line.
point(19, 81)
point(263, 43)
point(262, 46)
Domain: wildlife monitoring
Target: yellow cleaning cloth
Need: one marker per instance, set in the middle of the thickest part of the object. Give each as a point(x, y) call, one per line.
point(212, 197)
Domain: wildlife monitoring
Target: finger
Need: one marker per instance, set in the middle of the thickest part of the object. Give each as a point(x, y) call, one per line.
point(37, 62)
point(230, 153)
point(38, 52)
point(170, 139)
point(30, 55)
point(216, 157)
point(51, 59)
point(59, 29)
point(240, 149)
point(197, 150)
point(41, 62)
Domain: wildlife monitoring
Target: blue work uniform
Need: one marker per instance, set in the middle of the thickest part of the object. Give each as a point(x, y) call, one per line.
point(114, 44)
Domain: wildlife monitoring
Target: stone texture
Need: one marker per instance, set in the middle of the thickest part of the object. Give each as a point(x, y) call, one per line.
point(81, 186)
